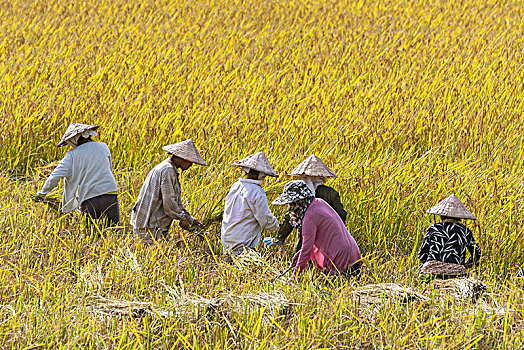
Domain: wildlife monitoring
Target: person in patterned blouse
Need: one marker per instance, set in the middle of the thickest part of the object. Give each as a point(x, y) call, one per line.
point(443, 250)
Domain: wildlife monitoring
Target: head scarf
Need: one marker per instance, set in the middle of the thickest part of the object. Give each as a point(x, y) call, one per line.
point(297, 210)
point(298, 195)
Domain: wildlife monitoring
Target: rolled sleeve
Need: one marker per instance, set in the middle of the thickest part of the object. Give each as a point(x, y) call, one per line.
point(63, 170)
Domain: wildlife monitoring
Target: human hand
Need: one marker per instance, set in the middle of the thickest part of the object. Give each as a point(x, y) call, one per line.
point(295, 259)
point(198, 223)
point(38, 197)
point(184, 224)
point(269, 241)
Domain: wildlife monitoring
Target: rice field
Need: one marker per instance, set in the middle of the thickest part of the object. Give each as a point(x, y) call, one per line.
point(408, 101)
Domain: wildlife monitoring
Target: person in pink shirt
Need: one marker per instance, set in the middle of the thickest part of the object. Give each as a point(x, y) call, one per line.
point(325, 239)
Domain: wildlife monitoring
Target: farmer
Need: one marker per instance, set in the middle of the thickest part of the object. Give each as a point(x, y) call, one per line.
point(246, 211)
point(314, 173)
point(89, 182)
point(325, 239)
point(160, 198)
point(443, 250)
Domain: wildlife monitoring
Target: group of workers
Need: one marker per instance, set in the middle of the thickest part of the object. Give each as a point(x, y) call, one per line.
point(313, 208)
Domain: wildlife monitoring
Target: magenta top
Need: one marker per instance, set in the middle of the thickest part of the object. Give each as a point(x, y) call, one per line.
point(325, 240)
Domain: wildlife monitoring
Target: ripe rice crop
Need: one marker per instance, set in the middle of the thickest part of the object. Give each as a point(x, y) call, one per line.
point(408, 101)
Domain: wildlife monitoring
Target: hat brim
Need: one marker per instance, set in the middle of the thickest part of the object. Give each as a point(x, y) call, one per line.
point(64, 141)
point(194, 161)
point(283, 199)
point(239, 165)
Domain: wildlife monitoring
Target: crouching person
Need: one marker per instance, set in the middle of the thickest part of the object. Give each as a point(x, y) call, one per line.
point(246, 211)
point(325, 239)
point(160, 198)
point(87, 171)
point(443, 250)
point(314, 173)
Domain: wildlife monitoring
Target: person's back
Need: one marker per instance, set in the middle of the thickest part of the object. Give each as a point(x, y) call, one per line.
point(447, 241)
point(92, 167)
point(87, 173)
point(325, 235)
point(246, 213)
point(331, 197)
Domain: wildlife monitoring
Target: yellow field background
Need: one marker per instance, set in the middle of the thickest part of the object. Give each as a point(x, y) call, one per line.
point(408, 101)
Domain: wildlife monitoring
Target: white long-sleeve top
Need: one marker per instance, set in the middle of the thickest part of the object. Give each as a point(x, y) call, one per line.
point(87, 172)
point(246, 214)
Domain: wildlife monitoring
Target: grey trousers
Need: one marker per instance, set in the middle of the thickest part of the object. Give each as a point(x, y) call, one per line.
point(100, 207)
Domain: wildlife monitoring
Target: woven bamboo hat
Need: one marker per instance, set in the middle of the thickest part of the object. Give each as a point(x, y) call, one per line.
point(453, 208)
point(185, 150)
point(313, 166)
point(75, 129)
point(258, 162)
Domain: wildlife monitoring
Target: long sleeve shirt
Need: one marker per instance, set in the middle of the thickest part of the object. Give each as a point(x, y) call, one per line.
point(330, 196)
point(448, 241)
point(87, 173)
point(160, 199)
point(246, 214)
point(325, 240)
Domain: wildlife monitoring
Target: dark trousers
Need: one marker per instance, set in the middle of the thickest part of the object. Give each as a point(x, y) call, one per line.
point(101, 207)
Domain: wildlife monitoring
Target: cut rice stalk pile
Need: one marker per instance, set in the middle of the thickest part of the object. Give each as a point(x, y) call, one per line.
point(376, 293)
point(254, 263)
point(461, 289)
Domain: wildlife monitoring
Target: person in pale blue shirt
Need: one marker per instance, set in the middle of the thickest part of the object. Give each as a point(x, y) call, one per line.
point(89, 184)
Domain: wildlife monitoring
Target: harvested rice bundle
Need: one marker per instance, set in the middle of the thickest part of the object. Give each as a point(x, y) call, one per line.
point(252, 261)
point(375, 293)
point(461, 289)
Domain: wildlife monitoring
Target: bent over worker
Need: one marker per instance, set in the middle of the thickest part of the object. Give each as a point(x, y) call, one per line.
point(325, 239)
point(88, 178)
point(160, 198)
point(314, 173)
point(443, 250)
point(246, 211)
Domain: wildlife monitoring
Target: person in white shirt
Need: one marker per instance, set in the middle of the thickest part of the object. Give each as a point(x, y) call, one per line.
point(89, 184)
point(246, 211)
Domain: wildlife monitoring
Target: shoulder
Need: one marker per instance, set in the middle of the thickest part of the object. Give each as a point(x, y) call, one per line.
point(164, 168)
point(325, 191)
point(435, 228)
point(254, 191)
point(316, 205)
point(464, 228)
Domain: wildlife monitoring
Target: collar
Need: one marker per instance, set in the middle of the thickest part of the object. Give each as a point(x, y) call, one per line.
point(250, 181)
point(170, 161)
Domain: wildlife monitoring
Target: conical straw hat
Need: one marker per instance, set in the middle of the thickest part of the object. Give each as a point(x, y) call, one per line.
point(258, 162)
point(313, 166)
point(75, 129)
point(185, 150)
point(452, 207)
